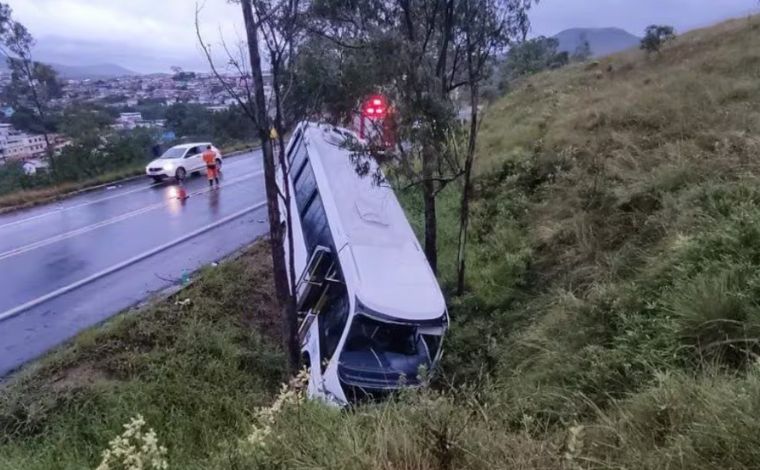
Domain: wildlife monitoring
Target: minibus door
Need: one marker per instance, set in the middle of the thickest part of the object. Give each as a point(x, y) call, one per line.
point(310, 292)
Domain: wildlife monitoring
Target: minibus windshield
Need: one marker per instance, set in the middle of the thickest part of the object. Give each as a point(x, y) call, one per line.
point(383, 355)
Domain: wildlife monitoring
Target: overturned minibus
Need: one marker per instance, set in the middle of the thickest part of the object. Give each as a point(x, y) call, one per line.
point(372, 315)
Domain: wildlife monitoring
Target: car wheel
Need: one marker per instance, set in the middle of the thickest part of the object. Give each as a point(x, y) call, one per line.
point(181, 174)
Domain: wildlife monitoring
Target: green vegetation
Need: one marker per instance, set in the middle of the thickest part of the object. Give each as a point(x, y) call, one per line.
point(529, 58)
point(611, 319)
point(194, 366)
point(656, 36)
point(88, 158)
point(194, 122)
point(16, 197)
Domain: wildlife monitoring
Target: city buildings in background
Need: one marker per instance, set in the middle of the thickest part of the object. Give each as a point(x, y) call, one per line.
point(123, 94)
point(133, 120)
point(16, 145)
point(128, 92)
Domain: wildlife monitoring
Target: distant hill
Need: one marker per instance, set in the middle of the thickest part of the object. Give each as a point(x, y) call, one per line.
point(92, 71)
point(603, 41)
point(85, 71)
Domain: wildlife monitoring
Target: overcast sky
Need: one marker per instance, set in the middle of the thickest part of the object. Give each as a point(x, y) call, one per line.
point(152, 35)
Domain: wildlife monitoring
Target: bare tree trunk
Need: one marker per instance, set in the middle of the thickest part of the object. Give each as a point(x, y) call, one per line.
point(464, 213)
point(290, 342)
point(291, 307)
point(431, 223)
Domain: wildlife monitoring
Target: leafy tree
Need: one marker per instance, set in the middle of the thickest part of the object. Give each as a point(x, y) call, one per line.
point(25, 119)
point(189, 120)
point(151, 109)
point(483, 28)
point(416, 51)
point(32, 84)
point(530, 57)
point(583, 51)
point(410, 45)
point(196, 121)
point(85, 122)
point(12, 177)
point(228, 127)
point(88, 157)
point(656, 36)
point(332, 81)
point(112, 99)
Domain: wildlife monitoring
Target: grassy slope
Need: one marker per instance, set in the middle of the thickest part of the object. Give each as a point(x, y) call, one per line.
point(195, 372)
point(612, 320)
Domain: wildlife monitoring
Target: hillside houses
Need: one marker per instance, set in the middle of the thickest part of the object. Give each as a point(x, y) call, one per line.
point(16, 145)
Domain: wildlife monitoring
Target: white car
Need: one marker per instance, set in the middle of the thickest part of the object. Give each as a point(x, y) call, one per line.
point(181, 160)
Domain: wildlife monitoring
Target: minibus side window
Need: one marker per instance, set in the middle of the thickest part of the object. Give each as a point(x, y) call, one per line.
point(297, 147)
point(298, 161)
point(305, 186)
point(314, 222)
point(332, 320)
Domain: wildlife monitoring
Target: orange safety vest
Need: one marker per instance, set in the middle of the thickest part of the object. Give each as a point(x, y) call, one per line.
point(209, 157)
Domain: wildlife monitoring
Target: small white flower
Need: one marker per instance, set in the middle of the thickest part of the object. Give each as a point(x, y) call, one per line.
point(134, 449)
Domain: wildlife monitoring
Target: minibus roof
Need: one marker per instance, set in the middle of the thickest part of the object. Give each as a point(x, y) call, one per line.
point(394, 277)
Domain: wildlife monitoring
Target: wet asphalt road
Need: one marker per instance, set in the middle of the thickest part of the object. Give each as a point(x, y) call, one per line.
point(55, 247)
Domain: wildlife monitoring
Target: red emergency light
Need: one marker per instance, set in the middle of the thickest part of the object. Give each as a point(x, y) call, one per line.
point(375, 122)
point(374, 107)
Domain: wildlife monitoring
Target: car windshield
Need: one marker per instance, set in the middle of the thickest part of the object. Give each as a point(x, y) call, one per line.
point(174, 152)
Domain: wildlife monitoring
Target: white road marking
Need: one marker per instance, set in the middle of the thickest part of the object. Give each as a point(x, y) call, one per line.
point(135, 259)
point(89, 203)
point(89, 228)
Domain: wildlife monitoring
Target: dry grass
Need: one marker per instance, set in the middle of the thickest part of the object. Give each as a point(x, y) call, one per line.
point(31, 197)
point(626, 131)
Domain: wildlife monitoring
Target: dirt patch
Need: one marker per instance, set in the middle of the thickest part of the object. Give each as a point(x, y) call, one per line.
point(262, 311)
point(81, 376)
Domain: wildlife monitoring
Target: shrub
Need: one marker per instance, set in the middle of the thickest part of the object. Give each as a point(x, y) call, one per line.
point(655, 36)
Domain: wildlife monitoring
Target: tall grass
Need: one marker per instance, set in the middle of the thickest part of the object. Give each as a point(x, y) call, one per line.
point(610, 319)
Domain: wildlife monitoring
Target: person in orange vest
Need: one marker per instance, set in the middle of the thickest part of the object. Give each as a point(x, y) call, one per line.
point(212, 170)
